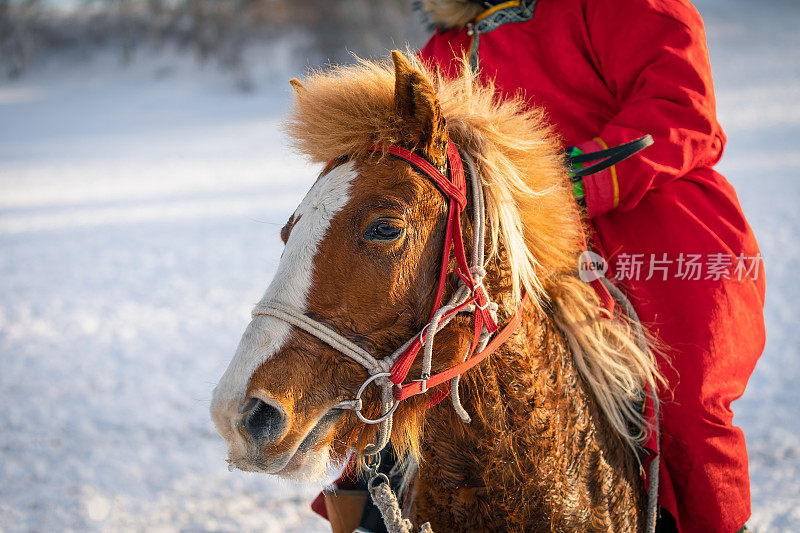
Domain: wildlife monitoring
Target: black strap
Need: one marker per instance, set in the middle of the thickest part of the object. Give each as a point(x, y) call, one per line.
point(609, 156)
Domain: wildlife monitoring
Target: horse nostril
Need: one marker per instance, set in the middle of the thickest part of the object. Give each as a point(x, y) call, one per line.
point(262, 420)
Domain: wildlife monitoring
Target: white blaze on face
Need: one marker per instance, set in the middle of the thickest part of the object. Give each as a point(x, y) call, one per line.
point(265, 335)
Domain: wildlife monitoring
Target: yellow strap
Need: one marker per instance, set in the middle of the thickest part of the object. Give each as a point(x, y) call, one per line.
point(498, 7)
point(613, 170)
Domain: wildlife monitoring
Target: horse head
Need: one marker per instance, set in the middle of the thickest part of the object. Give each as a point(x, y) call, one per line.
point(362, 255)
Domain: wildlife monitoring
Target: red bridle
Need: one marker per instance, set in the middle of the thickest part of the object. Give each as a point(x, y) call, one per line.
point(471, 296)
point(455, 190)
point(389, 373)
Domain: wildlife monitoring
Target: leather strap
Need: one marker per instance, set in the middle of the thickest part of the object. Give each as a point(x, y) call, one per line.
point(410, 389)
point(609, 156)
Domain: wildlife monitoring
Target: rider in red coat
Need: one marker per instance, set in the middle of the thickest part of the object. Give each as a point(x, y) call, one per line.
point(669, 225)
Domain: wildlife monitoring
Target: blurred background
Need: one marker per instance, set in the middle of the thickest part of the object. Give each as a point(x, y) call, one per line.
point(236, 36)
point(143, 182)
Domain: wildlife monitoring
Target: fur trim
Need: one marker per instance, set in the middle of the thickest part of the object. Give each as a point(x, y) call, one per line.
point(451, 13)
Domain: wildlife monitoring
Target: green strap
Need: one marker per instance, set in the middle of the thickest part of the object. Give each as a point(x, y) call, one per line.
point(577, 182)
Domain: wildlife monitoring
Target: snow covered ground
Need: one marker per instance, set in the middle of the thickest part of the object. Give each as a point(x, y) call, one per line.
point(139, 217)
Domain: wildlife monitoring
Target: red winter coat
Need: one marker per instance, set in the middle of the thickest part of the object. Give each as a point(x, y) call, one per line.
point(607, 72)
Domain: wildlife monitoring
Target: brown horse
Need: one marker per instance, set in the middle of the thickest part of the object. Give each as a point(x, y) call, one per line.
point(554, 423)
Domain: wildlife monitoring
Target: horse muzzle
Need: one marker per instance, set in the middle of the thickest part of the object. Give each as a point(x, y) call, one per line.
point(261, 438)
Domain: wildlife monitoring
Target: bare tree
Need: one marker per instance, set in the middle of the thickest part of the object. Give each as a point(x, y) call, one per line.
point(16, 36)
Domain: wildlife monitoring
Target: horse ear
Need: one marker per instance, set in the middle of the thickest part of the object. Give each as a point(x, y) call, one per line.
point(297, 86)
point(415, 101)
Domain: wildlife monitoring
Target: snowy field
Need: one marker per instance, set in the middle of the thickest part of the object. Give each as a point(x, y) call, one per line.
point(139, 218)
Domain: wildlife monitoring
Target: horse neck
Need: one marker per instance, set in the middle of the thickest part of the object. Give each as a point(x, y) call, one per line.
point(537, 453)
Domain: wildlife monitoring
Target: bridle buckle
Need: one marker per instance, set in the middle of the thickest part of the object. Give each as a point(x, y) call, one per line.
point(424, 380)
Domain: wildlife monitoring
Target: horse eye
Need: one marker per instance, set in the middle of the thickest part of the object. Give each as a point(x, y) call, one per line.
point(383, 231)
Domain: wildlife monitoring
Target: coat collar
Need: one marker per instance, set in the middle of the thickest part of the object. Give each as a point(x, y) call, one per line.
point(459, 13)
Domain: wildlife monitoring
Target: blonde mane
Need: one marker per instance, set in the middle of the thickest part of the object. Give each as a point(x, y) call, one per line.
point(531, 214)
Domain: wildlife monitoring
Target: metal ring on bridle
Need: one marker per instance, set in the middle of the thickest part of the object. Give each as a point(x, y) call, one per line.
point(392, 409)
point(371, 462)
point(379, 477)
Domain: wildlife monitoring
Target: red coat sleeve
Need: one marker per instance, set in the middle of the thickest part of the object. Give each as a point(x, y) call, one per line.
point(653, 56)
